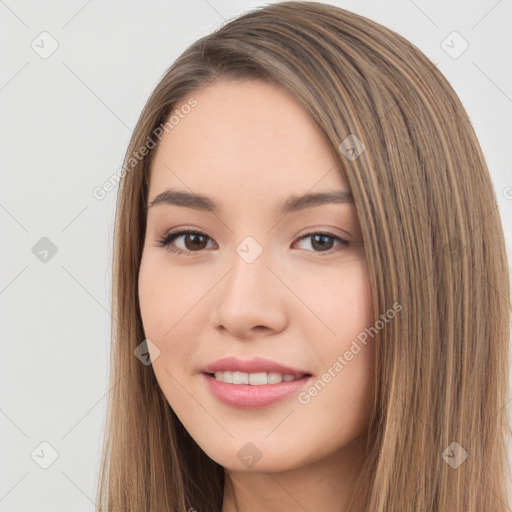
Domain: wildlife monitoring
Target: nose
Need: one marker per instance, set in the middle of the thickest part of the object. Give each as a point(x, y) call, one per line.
point(250, 301)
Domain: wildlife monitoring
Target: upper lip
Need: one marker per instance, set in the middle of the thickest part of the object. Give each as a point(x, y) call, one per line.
point(253, 365)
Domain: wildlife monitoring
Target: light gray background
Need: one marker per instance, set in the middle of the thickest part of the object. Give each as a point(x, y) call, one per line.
point(66, 122)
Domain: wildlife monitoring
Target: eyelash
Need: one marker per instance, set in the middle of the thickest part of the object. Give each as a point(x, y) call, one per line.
point(166, 240)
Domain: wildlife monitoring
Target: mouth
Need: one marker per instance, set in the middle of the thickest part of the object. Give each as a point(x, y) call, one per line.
point(253, 390)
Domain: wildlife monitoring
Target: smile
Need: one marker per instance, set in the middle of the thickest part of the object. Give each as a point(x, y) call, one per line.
point(245, 395)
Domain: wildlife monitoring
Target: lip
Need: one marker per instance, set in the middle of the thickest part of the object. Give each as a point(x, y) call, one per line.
point(247, 396)
point(253, 365)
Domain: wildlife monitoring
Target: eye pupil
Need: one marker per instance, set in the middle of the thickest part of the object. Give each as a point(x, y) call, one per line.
point(195, 237)
point(325, 243)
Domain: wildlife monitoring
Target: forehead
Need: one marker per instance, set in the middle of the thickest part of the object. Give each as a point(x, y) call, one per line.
point(244, 138)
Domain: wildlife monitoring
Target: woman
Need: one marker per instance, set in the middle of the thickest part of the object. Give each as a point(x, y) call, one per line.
point(310, 269)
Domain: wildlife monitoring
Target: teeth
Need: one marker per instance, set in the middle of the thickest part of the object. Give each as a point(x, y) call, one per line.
point(255, 379)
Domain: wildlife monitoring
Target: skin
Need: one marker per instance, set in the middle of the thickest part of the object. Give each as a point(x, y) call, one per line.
point(249, 146)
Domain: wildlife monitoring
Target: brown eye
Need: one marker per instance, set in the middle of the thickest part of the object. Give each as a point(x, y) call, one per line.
point(193, 241)
point(196, 241)
point(323, 242)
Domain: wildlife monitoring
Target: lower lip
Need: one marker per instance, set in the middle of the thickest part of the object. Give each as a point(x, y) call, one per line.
point(247, 396)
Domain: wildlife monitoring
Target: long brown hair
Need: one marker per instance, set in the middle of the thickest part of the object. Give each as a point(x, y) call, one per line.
point(433, 241)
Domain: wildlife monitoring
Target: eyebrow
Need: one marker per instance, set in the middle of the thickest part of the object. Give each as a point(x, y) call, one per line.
point(292, 204)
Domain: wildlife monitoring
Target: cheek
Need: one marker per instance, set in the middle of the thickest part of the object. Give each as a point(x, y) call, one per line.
point(339, 300)
point(167, 295)
point(157, 306)
point(343, 303)
point(161, 308)
point(172, 308)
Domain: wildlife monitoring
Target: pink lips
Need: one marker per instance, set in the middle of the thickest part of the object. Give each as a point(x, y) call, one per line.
point(247, 396)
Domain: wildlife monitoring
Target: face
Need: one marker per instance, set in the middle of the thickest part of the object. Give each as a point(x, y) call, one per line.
point(249, 279)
